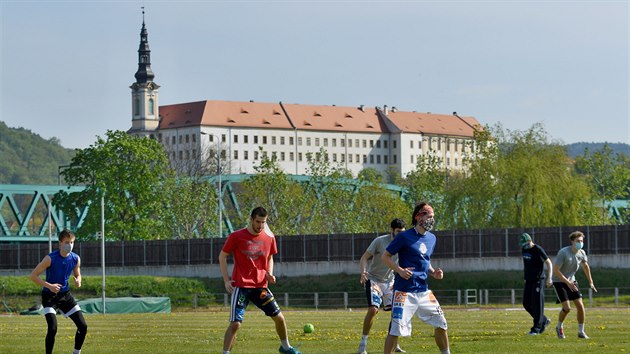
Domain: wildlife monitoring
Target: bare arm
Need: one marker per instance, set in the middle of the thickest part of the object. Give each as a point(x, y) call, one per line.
point(224, 272)
point(558, 273)
point(405, 273)
point(587, 271)
point(77, 274)
point(270, 277)
point(363, 263)
point(39, 269)
point(549, 269)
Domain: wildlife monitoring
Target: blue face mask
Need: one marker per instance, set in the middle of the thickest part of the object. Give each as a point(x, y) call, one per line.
point(579, 245)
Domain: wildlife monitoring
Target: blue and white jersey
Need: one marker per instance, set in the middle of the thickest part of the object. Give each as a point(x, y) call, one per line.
point(414, 251)
point(60, 269)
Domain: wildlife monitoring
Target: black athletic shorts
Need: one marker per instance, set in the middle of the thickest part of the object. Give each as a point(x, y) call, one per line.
point(63, 302)
point(564, 293)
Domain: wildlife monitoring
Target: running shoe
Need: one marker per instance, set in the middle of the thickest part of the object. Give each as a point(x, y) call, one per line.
point(560, 332)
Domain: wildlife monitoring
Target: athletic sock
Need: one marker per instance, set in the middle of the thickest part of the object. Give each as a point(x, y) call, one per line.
point(364, 339)
point(580, 327)
point(445, 351)
point(76, 351)
point(285, 343)
point(560, 325)
point(226, 352)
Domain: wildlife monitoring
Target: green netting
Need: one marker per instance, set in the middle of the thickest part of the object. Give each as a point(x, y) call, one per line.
point(118, 305)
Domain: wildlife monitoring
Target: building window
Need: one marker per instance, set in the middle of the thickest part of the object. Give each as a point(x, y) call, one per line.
point(137, 111)
point(299, 141)
point(411, 158)
point(255, 155)
point(187, 138)
point(378, 144)
point(342, 142)
point(411, 144)
point(378, 159)
point(222, 154)
point(316, 141)
point(255, 139)
point(364, 143)
point(357, 158)
point(290, 140)
point(194, 138)
point(181, 155)
point(325, 141)
point(173, 140)
point(395, 159)
point(343, 158)
point(273, 140)
point(291, 156)
point(448, 161)
point(194, 153)
point(349, 142)
point(371, 158)
point(385, 159)
point(281, 156)
point(364, 158)
point(394, 144)
point(181, 139)
point(334, 142)
point(235, 139)
point(308, 141)
point(245, 154)
point(300, 156)
point(455, 162)
point(350, 158)
point(385, 144)
point(265, 140)
point(281, 140)
point(356, 143)
point(223, 139)
point(187, 155)
point(334, 157)
point(245, 139)
point(371, 143)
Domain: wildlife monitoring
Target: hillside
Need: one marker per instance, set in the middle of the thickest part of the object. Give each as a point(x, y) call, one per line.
point(27, 158)
point(577, 149)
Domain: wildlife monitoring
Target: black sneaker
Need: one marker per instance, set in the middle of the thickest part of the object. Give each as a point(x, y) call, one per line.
point(547, 322)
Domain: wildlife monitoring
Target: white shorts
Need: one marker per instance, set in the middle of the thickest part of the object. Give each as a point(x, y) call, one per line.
point(424, 305)
point(379, 293)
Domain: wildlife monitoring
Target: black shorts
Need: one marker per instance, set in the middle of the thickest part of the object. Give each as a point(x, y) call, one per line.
point(261, 297)
point(564, 293)
point(63, 302)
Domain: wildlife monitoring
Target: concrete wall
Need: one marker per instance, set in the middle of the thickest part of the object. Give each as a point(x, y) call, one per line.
point(293, 269)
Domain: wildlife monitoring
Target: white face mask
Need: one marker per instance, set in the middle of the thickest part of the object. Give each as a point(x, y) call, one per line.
point(67, 247)
point(579, 245)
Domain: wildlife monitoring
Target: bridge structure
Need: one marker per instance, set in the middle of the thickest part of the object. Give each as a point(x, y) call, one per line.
point(28, 213)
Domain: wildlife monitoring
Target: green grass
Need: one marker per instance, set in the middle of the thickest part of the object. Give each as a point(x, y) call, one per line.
point(470, 331)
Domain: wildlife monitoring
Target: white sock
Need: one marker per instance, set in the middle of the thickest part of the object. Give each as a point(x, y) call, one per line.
point(285, 343)
point(445, 351)
point(76, 351)
point(226, 352)
point(580, 327)
point(559, 325)
point(364, 338)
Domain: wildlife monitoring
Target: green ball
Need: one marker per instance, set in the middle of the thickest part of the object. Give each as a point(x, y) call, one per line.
point(309, 328)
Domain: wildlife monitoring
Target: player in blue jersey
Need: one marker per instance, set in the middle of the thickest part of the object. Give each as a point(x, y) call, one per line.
point(59, 265)
point(411, 292)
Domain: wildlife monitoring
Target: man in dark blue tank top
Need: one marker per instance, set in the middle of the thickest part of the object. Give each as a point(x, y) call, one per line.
point(59, 265)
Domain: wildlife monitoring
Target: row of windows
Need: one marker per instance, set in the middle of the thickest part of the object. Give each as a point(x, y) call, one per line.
point(281, 140)
point(290, 156)
point(438, 142)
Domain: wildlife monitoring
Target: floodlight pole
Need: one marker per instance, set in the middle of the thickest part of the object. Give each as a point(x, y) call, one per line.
point(103, 249)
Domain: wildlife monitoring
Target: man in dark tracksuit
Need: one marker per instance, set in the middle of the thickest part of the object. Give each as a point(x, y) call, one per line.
point(534, 259)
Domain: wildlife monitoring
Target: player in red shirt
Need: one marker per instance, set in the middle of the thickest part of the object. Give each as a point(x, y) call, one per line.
point(253, 249)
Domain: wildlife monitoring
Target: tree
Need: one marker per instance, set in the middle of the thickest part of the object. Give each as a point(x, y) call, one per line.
point(132, 175)
point(607, 174)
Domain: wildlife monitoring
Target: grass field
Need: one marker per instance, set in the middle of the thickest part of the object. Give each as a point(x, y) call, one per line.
point(470, 331)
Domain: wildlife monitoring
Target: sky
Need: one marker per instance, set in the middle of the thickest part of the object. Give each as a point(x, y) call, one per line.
point(66, 66)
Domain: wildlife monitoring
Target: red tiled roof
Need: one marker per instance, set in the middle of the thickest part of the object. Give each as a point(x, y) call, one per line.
point(429, 123)
point(224, 114)
point(335, 118)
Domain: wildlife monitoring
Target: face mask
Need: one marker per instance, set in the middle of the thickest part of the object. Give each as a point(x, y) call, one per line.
point(579, 245)
point(67, 247)
point(428, 224)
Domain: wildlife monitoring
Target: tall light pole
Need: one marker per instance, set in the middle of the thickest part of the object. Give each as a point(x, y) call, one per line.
point(219, 189)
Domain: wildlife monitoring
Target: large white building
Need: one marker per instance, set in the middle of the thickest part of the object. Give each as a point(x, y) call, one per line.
point(354, 138)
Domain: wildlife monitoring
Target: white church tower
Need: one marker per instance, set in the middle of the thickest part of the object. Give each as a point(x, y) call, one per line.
point(144, 92)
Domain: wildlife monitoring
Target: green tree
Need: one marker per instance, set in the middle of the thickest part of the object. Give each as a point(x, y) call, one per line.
point(427, 183)
point(132, 175)
point(607, 173)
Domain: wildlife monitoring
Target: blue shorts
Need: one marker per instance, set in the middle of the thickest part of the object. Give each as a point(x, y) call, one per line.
point(261, 297)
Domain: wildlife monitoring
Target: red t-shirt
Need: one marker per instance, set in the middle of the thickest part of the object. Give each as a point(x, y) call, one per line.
point(250, 254)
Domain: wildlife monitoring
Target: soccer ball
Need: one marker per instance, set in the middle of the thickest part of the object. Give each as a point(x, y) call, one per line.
point(309, 328)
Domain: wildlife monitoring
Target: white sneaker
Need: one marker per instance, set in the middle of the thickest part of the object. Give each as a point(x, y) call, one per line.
point(399, 349)
point(362, 348)
point(583, 335)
